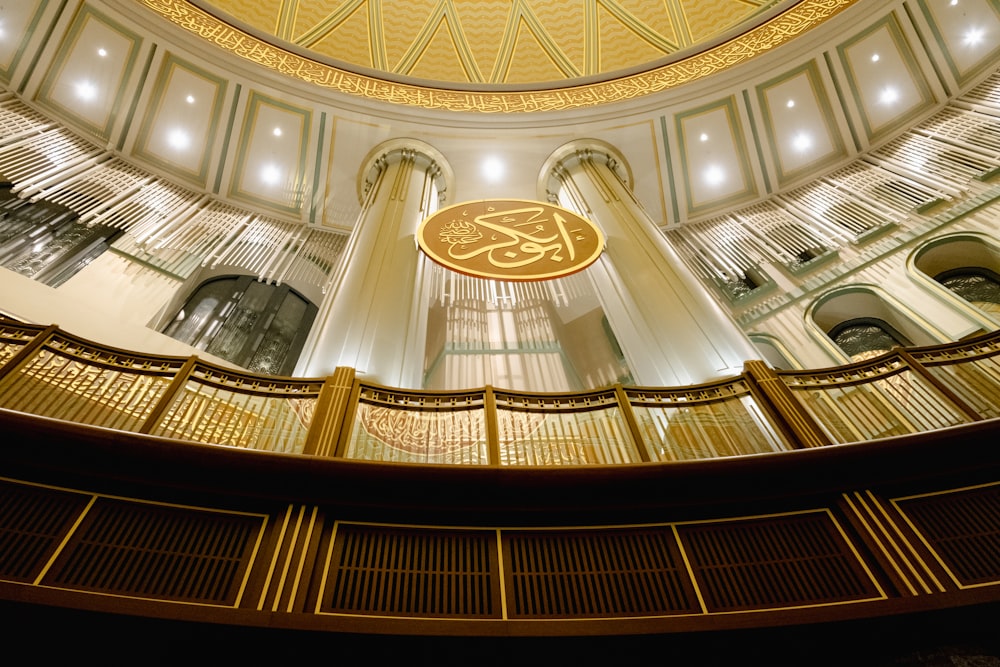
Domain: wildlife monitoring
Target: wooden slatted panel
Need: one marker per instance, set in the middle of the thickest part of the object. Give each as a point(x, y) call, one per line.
point(161, 552)
point(393, 571)
point(773, 562)
point(963, 528)
point(33, 520)
point(636, 572)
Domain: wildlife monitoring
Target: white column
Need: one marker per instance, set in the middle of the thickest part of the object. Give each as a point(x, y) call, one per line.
point(671, 331)
point(371, 318)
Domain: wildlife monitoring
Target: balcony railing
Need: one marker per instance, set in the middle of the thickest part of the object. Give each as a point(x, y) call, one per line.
point(47, 372)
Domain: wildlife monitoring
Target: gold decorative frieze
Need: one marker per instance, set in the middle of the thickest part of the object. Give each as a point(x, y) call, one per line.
point(510, 239)
point(782, 28)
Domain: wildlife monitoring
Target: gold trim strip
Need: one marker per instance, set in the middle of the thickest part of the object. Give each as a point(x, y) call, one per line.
point(288, 559)
point(302, 559)
point(690, 570)
point(326, 569)
point(253, 559)
point(902, 538)
point(274, 558)
point(797, 20)
point(500, 574)
point(65, 540)
point(881, 545)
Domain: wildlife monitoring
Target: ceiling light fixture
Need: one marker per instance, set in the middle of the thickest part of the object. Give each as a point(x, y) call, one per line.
point(790, 104)
point(270, 174)
point(714, 175)
point(802, 142)
point(888, 96)
point(102, 52)
point(189, 99)
point(277, 132)
point(178, 139)
point(973, 37)
point(86, 91)
point(875, 57)
point(703, 137)
point(493, 169)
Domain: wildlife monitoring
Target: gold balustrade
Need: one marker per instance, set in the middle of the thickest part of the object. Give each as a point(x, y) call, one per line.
point(47, 372)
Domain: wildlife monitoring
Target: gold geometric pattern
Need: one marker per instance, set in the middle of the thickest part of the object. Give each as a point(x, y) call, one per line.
point(495, 41)
point(426, 53)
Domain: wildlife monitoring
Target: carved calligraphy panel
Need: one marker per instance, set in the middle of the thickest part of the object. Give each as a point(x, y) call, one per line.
point(510, 239)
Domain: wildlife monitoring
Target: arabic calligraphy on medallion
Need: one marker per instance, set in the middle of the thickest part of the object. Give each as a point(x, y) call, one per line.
point(510, 239)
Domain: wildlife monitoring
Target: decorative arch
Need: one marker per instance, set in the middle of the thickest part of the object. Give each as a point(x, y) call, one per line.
point(774, 351)
point(860, 321)
point(964, 270)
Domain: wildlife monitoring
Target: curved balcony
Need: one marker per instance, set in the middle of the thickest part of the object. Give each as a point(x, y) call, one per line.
point(769, 499)
point(54, 374)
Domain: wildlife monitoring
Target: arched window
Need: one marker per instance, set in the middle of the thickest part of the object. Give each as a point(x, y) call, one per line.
point(863, 321)
point(866, 337)
point(258, 326)
point(967, 265)
point(977, 285)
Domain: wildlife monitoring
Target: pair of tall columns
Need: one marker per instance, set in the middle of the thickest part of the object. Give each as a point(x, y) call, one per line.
point(374, 318)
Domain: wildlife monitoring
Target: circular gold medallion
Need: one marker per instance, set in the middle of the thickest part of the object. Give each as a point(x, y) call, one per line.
point(510, 239)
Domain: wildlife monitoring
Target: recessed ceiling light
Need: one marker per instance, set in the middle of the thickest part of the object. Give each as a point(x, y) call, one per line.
point(953, 3)
point(178, 139)
point(277, 131)
point(714, 175)
point(973, 37)
point(703, 137)
point(790, 104)
point(86, 91)
point(802, 142)
point(270, 174)
point(888, 96)
point(189, 99)
point(102, 52)
point(493, 169)
point(875, 57)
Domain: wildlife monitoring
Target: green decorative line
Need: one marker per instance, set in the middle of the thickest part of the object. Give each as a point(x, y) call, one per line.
point(670, 170)
point(924, 46)
point(317, 168)
point(229, 136)
point(135, 98)
point(756, 141)
point(842, 100)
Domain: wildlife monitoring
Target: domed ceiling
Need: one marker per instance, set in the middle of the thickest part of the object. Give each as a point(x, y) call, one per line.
point(520, 42)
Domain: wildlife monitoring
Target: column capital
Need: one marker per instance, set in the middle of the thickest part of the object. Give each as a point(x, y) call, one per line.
point(555, 167)
point(413, 150)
